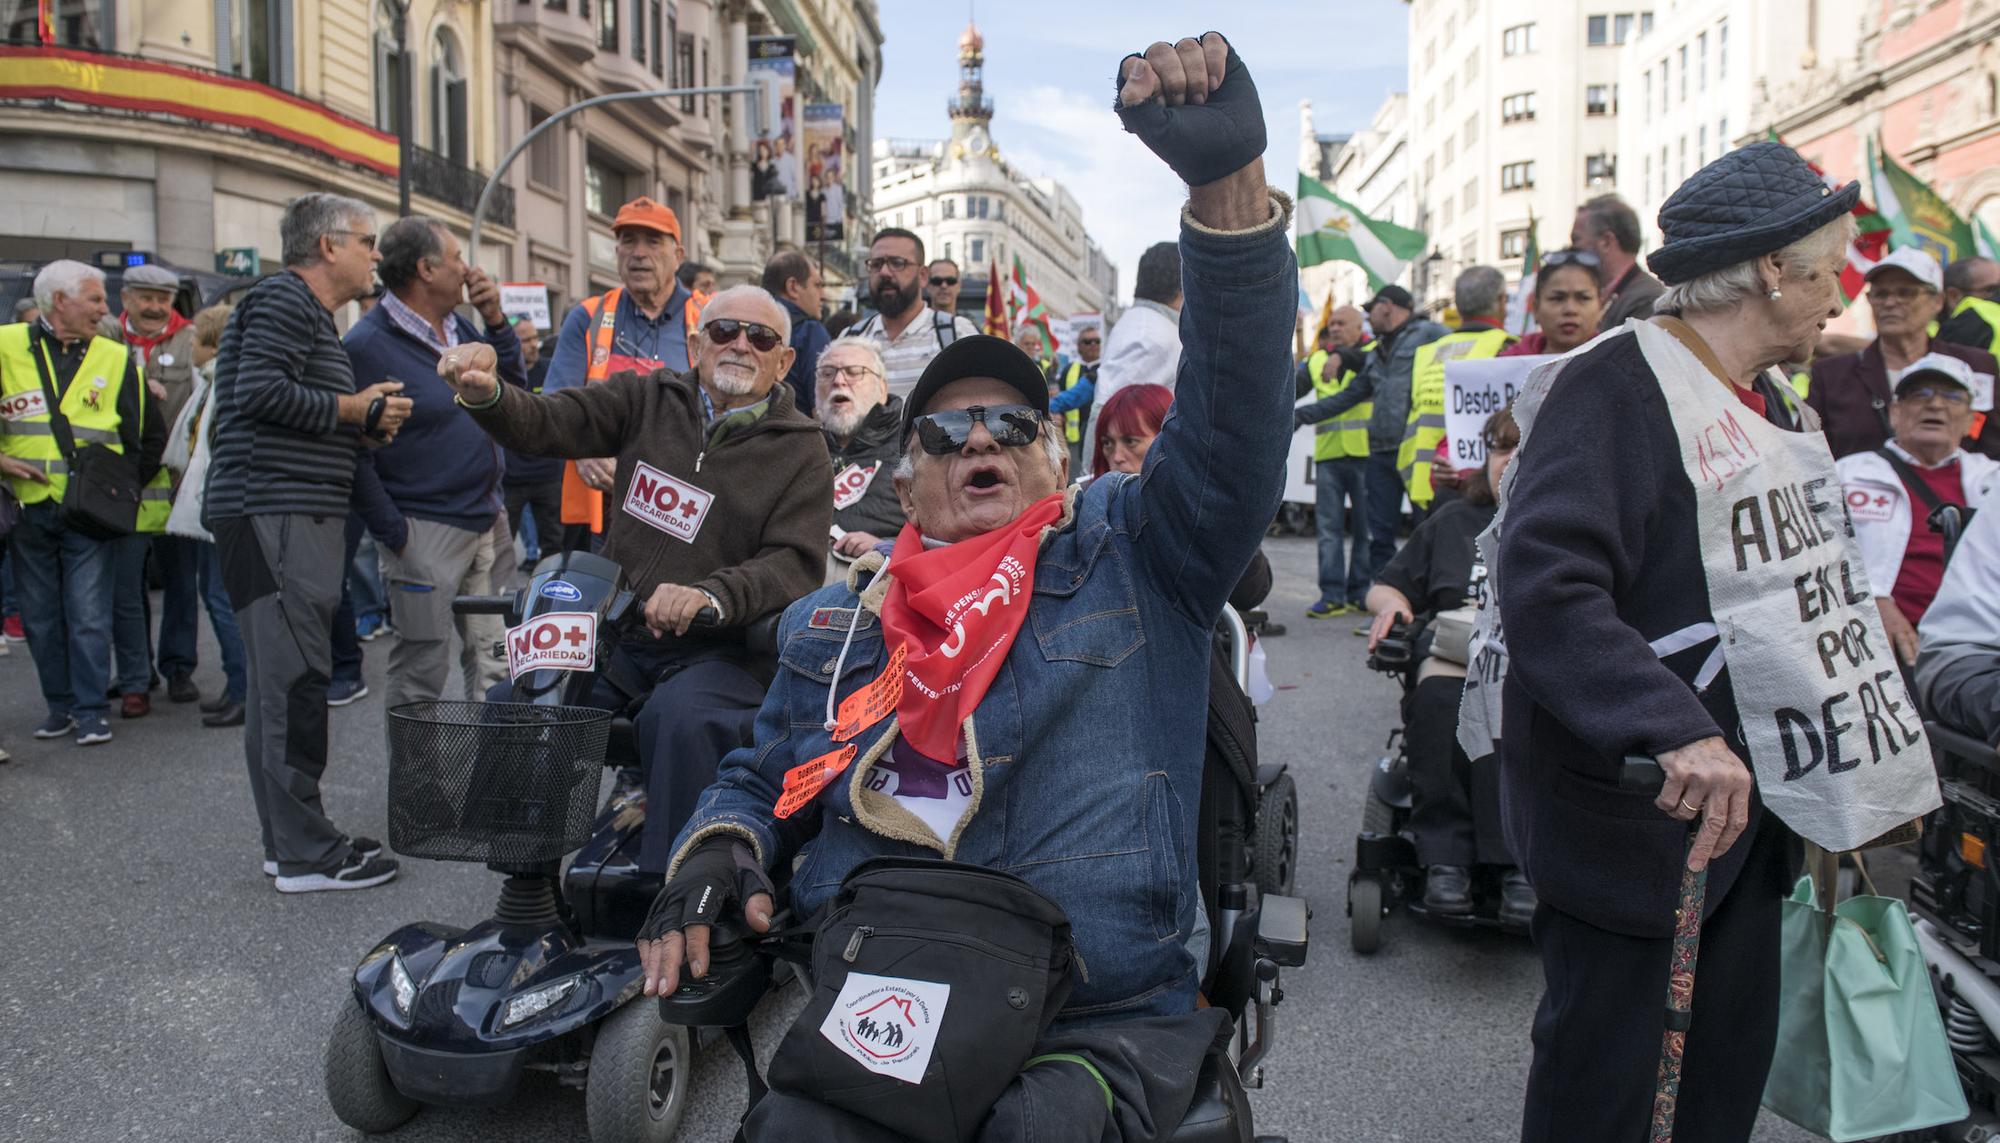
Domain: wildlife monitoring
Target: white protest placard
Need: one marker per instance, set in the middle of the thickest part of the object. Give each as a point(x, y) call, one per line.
point(526, 299)
point(1475, 389)
point(1982, 392)
point(887, 1024)
point(553, 641)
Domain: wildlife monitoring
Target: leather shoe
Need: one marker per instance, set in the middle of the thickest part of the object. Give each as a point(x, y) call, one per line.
point(1448, 889)
point(1517, 898)
point(135, 706)
point(181, 688)
point(210, 706)
point(228, 714)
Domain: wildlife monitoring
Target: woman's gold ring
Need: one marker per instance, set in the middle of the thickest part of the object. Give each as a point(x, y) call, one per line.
point(1688, 808)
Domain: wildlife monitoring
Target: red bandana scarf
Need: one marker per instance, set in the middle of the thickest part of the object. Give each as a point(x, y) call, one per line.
point(146, 345)
point(955, 611)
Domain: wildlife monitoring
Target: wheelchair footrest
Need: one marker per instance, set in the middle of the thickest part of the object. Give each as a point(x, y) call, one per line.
point(1281, 931)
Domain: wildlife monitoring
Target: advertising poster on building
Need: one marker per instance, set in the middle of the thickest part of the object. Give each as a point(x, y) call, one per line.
point(774, 149)
point(826, 173)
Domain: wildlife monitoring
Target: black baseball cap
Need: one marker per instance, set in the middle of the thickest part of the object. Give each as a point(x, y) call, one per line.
point(1396, 294)
point(980, 355)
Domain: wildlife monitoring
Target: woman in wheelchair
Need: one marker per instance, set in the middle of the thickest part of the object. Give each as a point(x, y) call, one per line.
point(1455, 813)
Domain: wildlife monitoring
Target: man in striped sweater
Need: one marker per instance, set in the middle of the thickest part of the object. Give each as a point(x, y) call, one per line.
point(288, 423)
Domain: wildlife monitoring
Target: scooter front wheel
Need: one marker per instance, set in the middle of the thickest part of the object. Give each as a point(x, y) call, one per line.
point(357, 1081)
point(641, 1071)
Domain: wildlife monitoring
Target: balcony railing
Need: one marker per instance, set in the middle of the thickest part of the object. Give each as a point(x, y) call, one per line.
point(981, 108)
point(434, 176)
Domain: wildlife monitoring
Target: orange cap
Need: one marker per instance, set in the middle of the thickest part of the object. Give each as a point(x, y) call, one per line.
point(644, 212)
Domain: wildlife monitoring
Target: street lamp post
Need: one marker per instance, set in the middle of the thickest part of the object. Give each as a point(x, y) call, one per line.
point(486, 192)
point(401, 29)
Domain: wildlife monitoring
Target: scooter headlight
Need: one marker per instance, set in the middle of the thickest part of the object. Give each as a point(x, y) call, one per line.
point(402, 989)
point(528, 1005)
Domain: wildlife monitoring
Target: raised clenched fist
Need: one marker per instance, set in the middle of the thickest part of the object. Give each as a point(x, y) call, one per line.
point(1194, 105)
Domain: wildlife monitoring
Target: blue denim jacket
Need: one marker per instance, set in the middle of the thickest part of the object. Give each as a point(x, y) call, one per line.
point(1086, 752)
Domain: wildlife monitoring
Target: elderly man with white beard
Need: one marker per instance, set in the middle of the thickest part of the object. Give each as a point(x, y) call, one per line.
point(721, 493)
point(863, 426)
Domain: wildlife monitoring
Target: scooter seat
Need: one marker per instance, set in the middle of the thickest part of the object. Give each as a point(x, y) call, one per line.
point(1218, 1113)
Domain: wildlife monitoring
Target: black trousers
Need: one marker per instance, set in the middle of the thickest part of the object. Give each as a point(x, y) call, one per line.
point(544, 502)
point(1597, 1033)
point(1455, 804)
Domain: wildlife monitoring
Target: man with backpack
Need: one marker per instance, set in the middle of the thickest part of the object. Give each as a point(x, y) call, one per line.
point(907, 331)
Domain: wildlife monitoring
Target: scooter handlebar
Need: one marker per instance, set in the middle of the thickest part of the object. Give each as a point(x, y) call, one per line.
point(482, 605)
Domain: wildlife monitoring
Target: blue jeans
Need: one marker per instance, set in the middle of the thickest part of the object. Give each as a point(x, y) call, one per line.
point(1385, 506)
point(65, 583)
point(10, 596)
point(1340, 482)
point(221, 617)
point(364, 575)
point(179, 561)
point(131, 615)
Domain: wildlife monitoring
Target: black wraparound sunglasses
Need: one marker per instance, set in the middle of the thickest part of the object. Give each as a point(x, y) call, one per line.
point(944, 433)
point(763, 338)
point(940, 281)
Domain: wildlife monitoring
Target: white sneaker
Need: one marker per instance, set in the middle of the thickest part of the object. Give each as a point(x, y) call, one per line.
point(359, 873)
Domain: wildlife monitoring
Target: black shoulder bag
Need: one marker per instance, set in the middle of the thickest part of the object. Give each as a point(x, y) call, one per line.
point(1938, 509)
point(101, 499)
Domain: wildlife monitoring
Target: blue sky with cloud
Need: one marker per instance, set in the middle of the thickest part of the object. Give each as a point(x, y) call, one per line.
point(1049, 69)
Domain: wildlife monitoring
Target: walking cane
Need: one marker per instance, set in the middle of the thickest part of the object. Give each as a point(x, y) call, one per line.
point(1645, 773)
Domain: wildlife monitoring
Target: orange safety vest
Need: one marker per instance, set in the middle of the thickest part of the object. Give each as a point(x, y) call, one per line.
point(582, 504)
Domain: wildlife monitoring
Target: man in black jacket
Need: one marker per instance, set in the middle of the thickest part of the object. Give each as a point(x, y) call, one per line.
point(863, 433)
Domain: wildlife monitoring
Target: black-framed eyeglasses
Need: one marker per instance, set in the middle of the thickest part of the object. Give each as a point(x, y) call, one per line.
point(1556, 258)
point(937, 281)
point(944, 433)
point(367, 237)
point(723, 331)
point(1926, 392)
point(890, 262)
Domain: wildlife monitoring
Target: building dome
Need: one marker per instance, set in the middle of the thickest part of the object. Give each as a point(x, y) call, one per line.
point(971, 41)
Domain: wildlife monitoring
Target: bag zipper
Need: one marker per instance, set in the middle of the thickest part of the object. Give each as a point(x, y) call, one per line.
point(863, 932)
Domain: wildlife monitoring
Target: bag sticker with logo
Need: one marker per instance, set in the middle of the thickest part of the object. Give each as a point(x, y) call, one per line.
point(667, 502)
point(556, 641)
point(887, 1024)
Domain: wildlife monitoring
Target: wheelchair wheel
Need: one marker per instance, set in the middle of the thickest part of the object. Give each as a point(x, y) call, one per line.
point(1364, 914)
point(1274, 864)
point(357, 1081)
point(640, 1077)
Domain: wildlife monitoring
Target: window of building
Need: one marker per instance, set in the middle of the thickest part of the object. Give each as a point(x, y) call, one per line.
point(1599, 31)
point(1722, 50)
point(388, 69)
point(603, 185)
point(1444, 210)
point(1513, 243)
point(1600, 99)
point(1646, 174)
point(545, 154)
point(1468, 251)
point(1621, 28)
point(1471, 194)
point(1701, 147)
point(1684, 158)
point(947, 252)
point(684, 66)
point(1684, 73)
point(1450, 89)
point(1666, 91)
point(607, 26)
point(1722, 136)
point(1430, 166)
point(1600, 168)
point(977, 251)
point(1471, 67)
point(1518, 40)
point(1430, 55)
point(658, 41)
point(896, 219)
point(254, 37)
point(1517, 176)
point(1646, 89)
point(949, 207)
point(1515, 108)
point(919, 216)
point(87, 24)
point(1701, 59)
point(1664, 176)
point(1645, 24)
point(1471, 130)
point(1430, 112)
point(448, 103)
point(638, 45)
point(1450, 150)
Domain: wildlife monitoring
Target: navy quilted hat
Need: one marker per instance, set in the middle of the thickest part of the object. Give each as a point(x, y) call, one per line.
point(1751, 201)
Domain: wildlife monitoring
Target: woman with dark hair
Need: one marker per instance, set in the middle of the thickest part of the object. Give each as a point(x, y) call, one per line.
point(1569, 298)
point(1455, 812)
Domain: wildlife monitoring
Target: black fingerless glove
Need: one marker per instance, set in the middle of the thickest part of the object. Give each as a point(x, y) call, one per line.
point(1202, 142)
point(719, 874)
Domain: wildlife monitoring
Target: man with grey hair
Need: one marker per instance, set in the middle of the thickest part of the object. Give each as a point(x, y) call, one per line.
point(1424, 460)
point(863, 424)
point(1608, 227)
point(288, 423)
point(721, 503)
point(65, 575)
point(27, 310)
point(441, 478)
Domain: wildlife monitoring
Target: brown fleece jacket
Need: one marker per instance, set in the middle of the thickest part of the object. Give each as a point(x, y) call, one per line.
point(761, 542)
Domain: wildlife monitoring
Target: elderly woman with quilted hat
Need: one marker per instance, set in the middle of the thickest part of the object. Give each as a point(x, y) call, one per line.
point(1612, 652)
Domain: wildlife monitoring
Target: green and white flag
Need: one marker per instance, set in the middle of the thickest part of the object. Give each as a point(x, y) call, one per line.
point(1918, 216)
point(1331, 230)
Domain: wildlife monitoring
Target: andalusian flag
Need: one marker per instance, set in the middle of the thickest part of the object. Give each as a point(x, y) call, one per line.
point(1917, 215)
point(1028, 308)
point(996, 303)
point(1330, 230)
point(1871, 234)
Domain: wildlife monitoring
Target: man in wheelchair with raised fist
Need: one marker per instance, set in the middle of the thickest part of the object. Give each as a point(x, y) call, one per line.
point(1020, 687)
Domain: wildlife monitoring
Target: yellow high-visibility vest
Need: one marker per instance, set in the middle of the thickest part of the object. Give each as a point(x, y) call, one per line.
point(1346, 434)
point(1425, 428)
point(1988, 311)
point(1073, 420)
point(90, 404)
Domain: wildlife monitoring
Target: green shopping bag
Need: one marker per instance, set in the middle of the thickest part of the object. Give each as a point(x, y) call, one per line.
point(1861, 1049)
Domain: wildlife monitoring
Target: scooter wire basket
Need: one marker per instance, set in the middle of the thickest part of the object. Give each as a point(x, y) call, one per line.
point(502, 783)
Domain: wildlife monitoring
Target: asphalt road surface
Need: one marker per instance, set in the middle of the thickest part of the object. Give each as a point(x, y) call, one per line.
point(154, 986)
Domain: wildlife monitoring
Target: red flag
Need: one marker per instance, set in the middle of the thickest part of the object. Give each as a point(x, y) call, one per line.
point(996, 302)
point(1871, 237)
point(45, 21)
